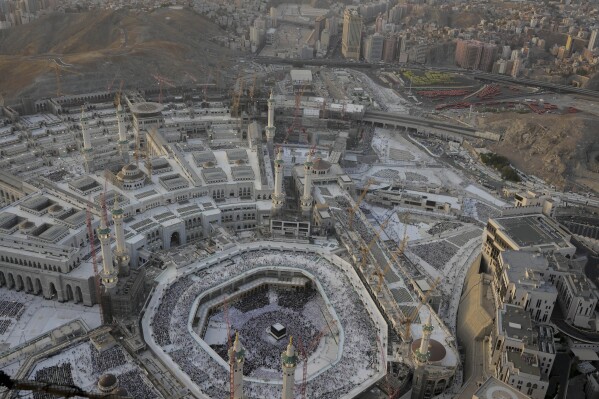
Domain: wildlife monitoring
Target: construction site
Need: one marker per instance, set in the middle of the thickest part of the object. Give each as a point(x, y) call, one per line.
point(276, 239)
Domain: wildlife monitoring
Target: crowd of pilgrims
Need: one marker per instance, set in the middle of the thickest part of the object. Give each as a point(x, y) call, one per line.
point(169, 325)
point(100, 363)
point(60, 374)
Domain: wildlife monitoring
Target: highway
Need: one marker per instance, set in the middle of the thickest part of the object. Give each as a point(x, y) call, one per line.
point(475, 74)
point(425, 125)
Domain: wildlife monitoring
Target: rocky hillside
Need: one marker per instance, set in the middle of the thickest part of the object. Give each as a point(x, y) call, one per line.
point(99, 47)
point(547, 146)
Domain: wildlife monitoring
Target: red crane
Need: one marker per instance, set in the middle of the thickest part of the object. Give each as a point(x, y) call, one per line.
point(304, 354)
point(226, 317)
point(389, 388)
point(90, 232)
point(296, 123)
point(162, 81)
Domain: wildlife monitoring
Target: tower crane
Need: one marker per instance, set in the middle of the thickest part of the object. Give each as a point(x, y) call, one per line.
point(303, 350)
point(57, 71)
point(412, 316)
point(400, 251)
point(235, 104)
point(90, 233)
point(252, 91)
point(389, 389)
point(231, 370)
point(366, 249)
point(353, 209)
point(162, 81)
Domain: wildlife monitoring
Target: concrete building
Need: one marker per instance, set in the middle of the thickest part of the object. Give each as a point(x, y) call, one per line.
point(373, 48)
point(521, 353)
point(522, 283)
point(493, 388)
point(390, 48)
point(351, 39)
point(593, 39)
point(319, 26)
point(531, 232)
point(591, 388)
point(472, 54)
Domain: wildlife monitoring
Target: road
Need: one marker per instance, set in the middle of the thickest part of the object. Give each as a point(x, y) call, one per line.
point(475, 74)
point(418, 123)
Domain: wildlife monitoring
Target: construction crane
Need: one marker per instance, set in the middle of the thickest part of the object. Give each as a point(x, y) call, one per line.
point(118, 94)
point(353, 209)
point(295, 124)
point(252, 91)
point(90, 233)
point(304, 354)
point(412, 316)
point(229, 344)
point(57, 70)
point(190, 76)
point(400, 251)
point(388, 388)
point(103, 199)
point(235, 104)
point(162, 81)
point(367, 248)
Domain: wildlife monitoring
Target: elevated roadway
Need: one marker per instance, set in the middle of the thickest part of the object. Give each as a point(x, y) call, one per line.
point(340, 63)
point(424, 125)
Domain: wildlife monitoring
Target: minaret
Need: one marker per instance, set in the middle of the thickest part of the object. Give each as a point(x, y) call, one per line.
point(121, 254)
point(278, 198)
point(289, 363)
point(306, 200)
point(87, 143)
point(123, 142)
point(236, 361)
point(270, 127)
point(423, 353)
point(108, 274)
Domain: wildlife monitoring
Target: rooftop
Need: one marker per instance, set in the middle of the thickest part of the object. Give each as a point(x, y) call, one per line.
point(533, 230)
point(493, 388)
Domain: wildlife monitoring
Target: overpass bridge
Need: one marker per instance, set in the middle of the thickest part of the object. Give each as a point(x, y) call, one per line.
point(424, 125)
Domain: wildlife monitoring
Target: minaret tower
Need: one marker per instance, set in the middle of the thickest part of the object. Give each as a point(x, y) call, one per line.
point(270, 127)
point(87, 144)
point(236, 361)
point(121, 255)
point(289, 363)
point(123, 142)
point(108, 274)
point(422, 354)
point(278, 198)
point(306, 200)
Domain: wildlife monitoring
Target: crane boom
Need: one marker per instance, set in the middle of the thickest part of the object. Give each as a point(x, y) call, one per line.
point(352, 210)
point(90, 232)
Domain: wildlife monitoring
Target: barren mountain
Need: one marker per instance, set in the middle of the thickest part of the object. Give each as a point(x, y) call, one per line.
point(96, 48)
point(553, 147)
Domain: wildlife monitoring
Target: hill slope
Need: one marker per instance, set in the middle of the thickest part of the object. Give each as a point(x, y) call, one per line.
point(103, 46)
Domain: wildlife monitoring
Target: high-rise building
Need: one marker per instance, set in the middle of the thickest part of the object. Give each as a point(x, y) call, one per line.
point(569, 43)
point(468, 53)
point(488, 56)
point(319, 26)
point(373, 48)
point(472, 54)
point(325, 40)
point(332, 25)
point(352, 34)
point(390, 48)
point(593, 39)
